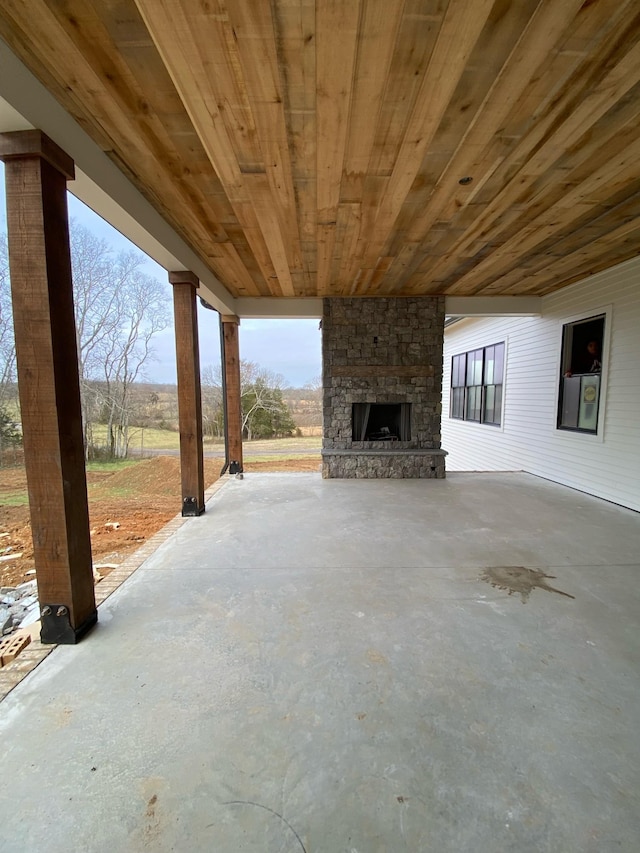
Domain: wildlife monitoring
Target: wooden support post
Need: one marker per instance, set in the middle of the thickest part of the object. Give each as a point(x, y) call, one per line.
point(36, 174)
point(231, 369)
point(189, 396)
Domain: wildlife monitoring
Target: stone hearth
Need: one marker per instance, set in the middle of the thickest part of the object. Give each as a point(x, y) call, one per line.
point(382, 379)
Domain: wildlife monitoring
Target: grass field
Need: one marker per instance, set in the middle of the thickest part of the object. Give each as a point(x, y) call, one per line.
point(261, 449)
point(141, 439)
point(17, 498)
point(110, 467)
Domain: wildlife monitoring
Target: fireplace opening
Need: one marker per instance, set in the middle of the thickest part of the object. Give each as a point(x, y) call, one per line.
point(381, 422)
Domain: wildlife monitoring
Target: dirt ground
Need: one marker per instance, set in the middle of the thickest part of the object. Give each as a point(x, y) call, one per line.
point(140, 499)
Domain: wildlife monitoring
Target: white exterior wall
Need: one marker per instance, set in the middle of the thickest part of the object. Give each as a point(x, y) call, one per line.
point(606, 465)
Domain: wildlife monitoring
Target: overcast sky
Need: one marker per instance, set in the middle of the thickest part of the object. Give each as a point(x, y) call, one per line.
point(289, 347)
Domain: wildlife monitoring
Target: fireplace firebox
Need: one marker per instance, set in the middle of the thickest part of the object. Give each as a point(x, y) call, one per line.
point(381, 421)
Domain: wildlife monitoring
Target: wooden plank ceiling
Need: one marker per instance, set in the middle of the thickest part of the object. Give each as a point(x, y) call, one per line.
point(325, 147)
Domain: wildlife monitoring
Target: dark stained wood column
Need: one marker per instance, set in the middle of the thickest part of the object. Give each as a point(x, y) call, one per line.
point(231, 369)
point(189, 396)
point(36, 174)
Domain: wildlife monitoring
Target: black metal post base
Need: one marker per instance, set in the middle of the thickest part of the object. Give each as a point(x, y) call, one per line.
point(190, 508)
point(57, 628)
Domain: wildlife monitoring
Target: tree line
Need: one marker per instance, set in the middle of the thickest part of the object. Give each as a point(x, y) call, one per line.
point(119, 309)
point(265, 413)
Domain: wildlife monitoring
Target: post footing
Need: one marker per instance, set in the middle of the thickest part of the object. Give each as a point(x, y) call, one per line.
point(57, 628)
point(190, 508)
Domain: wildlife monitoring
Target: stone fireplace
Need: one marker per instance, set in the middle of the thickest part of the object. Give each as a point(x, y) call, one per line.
point(382, 384)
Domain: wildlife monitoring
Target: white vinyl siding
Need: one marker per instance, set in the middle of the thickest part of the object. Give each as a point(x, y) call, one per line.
point(606, 464)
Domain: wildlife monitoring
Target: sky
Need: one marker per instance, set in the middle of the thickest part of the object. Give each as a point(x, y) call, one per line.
point(291, 348)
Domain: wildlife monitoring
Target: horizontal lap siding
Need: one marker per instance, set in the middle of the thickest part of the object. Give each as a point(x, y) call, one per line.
point(607, 466)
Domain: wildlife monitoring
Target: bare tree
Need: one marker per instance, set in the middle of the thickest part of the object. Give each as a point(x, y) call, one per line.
point(264, 411)
point(119, 308)
point(7, 344)
point(10, 435)
point(212, 407)
point(314, 386)
point(261, 391)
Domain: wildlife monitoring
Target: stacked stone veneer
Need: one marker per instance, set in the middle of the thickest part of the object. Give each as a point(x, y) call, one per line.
point(382, 351)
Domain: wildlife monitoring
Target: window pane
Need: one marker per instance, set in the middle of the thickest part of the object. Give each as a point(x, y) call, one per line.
point(473, 403)
point(492, 404)
point(477, 369)
point(474, 367)
point(583, 340)
point(498, 370)
point(589, 394)
point(489, 404)
point(489, 362)
point(457, 371)
point(457, 403)
point(570, 401)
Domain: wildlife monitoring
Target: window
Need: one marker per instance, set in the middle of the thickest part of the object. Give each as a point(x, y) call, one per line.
point(581, 369)
point(476, 385)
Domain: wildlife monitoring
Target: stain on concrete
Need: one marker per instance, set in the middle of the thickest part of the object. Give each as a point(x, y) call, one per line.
point(519, 579)
point(151, 828)
point(151, 812)
point(63, 717)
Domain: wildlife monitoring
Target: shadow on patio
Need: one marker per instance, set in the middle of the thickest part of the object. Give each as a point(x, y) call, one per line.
point(318, 665)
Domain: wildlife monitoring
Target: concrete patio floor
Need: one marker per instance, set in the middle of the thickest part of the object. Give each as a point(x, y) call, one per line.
point(318, 666)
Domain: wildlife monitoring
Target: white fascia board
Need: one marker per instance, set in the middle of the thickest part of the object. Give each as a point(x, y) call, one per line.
point(493, 306)
point(99, 183)
point(278, 308)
